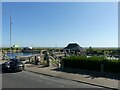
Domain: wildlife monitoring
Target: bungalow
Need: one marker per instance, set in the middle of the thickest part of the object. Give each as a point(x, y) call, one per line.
point(27, 49)
point(74, 48)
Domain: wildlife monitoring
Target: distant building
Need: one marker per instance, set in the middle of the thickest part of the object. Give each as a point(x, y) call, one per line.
point(74, 48)
point(27, 49)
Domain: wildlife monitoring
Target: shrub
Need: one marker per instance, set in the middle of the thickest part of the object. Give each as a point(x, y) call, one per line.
point(92, 63)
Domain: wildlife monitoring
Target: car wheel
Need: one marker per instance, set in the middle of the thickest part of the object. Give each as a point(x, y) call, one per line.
point(21, 68)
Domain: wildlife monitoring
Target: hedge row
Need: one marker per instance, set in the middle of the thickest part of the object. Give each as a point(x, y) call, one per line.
point(92, 63)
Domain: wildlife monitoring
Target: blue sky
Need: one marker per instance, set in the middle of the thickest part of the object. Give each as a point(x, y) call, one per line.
point(50, 24)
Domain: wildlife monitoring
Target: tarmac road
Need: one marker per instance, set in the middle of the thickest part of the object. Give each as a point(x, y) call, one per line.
point(26, 79)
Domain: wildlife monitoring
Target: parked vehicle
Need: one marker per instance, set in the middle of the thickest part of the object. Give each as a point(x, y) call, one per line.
point(13, 65)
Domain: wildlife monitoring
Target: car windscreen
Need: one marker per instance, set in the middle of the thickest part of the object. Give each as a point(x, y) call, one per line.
point(15, 60)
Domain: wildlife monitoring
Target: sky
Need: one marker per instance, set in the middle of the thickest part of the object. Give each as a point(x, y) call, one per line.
point(56, 24)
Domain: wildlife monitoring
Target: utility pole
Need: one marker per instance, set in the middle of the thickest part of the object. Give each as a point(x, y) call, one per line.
point(10, 34)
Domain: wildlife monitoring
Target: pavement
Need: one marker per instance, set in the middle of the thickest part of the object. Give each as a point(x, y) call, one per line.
point(105, 80)
point(2, 61)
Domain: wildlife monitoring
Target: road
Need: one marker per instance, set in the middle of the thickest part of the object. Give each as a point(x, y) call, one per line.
point(26, 79)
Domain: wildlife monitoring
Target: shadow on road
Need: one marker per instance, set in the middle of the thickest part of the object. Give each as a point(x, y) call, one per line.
point(90, 74)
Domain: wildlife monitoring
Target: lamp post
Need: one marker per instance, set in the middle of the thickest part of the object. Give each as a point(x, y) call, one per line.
point(10, 34)
point(10, 30)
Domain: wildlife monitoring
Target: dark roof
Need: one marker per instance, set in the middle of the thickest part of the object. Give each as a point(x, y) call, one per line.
point(27, 48)
point(74, 46)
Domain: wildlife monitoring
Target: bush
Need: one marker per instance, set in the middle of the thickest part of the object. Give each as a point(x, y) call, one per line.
point(92, 63)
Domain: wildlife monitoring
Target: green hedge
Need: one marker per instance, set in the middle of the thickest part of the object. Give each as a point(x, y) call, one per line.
point(92, 63)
